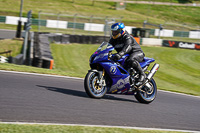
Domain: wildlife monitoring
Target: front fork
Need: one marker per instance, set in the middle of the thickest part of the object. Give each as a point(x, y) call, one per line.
point(101, 80)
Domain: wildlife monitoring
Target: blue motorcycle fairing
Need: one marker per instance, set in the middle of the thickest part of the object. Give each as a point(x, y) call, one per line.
point(120, 81)
point(146, 62)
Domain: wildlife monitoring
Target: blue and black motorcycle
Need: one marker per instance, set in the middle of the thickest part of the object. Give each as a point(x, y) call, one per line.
point(111, 77)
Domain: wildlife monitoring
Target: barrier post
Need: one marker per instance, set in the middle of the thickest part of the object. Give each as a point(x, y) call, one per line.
point(28, 27)
point(51, 64)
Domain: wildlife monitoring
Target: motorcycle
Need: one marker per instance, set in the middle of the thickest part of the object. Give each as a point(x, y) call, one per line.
point(107, 76)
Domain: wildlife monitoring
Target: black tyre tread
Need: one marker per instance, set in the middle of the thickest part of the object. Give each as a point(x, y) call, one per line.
point(142, 100)
point(86, 86)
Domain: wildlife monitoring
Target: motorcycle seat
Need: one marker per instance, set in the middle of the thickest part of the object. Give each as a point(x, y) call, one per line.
point(146, 61)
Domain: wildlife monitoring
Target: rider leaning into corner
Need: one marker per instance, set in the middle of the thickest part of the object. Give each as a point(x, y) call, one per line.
point(124, 43)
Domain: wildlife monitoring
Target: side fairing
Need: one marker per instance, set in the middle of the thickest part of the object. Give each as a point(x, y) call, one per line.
point(120, 81)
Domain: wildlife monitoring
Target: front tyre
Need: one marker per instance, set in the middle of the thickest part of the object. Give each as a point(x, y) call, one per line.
point(92, 87)
point(146, 95)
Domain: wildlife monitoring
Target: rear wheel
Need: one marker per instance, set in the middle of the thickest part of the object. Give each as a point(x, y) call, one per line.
point(92, 87)
point(147, 94)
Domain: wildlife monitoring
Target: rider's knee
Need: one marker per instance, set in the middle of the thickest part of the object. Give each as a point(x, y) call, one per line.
point(133, 63)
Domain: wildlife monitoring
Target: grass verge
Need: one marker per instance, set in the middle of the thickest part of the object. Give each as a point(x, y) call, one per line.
point(26, 128)
point(14, 45)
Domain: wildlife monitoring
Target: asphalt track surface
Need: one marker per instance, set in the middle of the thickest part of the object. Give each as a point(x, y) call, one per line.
point(43, 99)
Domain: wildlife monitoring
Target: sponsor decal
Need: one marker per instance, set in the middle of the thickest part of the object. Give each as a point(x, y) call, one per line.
point(124, 91)
point(113, 69)
point(197, 46)
point(171, 43)
point(119, 92)
point(186, 45)
point(120, 84)
point(114, 91)
point(126, 80)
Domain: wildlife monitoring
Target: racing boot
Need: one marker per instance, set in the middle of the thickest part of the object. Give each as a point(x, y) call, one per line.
point(142, 75)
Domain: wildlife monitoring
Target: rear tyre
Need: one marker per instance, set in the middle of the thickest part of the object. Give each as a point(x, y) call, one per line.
point(147, 95)
point(91, 86)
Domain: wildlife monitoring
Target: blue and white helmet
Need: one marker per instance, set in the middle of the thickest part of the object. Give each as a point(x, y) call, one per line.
point(117, 29)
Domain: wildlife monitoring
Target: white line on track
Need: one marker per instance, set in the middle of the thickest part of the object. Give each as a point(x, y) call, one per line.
point(124, 127)
point(48, 75)
point(179, 93)
point(38, 74)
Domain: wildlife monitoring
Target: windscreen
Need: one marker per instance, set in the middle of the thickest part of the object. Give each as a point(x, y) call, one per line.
point(103, 46)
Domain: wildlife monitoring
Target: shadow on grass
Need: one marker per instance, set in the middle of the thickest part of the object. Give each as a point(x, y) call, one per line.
point(81, 93)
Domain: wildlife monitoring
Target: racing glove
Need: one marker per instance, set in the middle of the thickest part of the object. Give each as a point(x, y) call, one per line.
point(117, 57)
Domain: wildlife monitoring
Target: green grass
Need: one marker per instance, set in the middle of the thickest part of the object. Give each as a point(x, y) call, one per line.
point(134, 15)
point(179, 68)
point(162, 13)
point(26, 128)
point(14, 45)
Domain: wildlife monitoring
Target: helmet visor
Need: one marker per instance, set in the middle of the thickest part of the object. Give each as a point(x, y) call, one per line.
point(115, 32)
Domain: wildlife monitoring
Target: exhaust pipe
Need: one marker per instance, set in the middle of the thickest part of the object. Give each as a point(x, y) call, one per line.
point(149, 77)
point(153, 71)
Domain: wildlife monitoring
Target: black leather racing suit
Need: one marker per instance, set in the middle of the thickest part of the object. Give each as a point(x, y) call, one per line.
point(126, 44)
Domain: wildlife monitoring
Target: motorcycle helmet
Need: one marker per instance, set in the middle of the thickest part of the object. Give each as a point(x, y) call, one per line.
point(117, 29)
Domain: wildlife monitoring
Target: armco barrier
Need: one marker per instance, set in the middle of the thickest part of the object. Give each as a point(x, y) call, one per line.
point(177, 44)
point(151, 41)
point(2, 19)
point(194, 34)
point(164, 32)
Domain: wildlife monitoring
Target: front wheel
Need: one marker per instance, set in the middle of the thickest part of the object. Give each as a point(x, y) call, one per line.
point(92, 87)
point(146, 94)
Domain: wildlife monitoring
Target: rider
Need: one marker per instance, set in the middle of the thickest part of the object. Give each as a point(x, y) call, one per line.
point(124, 43)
